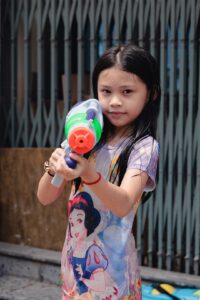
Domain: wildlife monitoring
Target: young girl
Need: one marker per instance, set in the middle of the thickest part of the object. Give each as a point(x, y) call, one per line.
point(99, 258)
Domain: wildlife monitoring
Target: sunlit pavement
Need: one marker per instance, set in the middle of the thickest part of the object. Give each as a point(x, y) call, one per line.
point(28, 273)
point(18, 288)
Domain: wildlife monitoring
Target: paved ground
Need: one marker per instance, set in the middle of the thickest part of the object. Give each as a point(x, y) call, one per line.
point(28, 273)
point(18, 288)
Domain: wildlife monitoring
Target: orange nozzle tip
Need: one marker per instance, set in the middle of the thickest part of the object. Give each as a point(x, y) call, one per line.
point(81, 140)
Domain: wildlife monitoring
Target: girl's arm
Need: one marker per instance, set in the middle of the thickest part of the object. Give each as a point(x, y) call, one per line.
point(119, 199)
point(46, 192)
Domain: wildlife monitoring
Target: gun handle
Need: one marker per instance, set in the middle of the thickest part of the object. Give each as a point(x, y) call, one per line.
point(71, 162)
point(57, 180)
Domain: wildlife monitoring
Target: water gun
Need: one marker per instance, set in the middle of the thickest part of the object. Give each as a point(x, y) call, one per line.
point(83, 129)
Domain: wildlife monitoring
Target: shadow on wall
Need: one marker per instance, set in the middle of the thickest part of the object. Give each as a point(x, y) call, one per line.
point(23, 220)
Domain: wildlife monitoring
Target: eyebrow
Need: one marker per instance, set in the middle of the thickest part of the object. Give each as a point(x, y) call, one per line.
point(121, 87)
point(131, 86)
point(104, 85)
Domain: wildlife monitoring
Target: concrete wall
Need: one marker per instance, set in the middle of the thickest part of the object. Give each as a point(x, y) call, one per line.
point(23, 220)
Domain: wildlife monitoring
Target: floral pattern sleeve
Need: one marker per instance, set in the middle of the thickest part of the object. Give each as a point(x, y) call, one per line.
point(144, 157)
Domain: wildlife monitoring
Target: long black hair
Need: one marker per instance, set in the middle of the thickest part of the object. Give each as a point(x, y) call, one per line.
point(138, 61)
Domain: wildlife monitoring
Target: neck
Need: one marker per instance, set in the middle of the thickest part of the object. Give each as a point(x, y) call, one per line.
point(118, 135)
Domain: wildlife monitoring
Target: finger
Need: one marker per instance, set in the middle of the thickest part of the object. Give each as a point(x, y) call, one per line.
point(56, 155)
point(76, 157)
point(61, 161)
point(58, 152)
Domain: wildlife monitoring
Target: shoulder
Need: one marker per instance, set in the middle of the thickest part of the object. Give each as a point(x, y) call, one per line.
point(145, 147)
point(147, 142)
point(144, 156)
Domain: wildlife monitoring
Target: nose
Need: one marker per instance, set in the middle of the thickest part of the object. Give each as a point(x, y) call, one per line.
point(115, 101)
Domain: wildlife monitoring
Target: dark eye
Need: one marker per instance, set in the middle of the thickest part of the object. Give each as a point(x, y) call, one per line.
point(72, 224)
point(126, 92)
point(80, 221)
point(105, 91)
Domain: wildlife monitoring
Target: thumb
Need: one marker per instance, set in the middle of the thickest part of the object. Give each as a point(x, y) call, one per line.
point(75, 156)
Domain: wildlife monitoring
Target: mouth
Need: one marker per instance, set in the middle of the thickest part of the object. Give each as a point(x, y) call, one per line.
point(116, 113)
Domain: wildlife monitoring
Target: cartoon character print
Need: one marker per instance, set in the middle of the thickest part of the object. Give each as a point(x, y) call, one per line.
point(86, 260)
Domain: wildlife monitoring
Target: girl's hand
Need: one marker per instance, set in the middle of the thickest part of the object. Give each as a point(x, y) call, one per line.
point(86, 168)
point(83, 168)
point(55, 156)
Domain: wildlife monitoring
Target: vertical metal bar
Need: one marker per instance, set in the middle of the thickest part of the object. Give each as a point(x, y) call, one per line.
point(13, 75)
point(141, 23)
point(153, 28)
point(151, 211)
point(80, 45)
point(172, 99)
point(129, 20)
point(196, 206)
point(93, 40)
point(36, 129)
point(150, 233)
point(196, 257)
point(197, 209)
point(139, 212)
point(191, 93)
point(182, 99)
point(161, 131)
point(66, 79)
point(1, 46)
point(139, 235)
point(40, 72)
point(26, 73)
point(53, 74)
point(116, 36)
point(67, 57)
point(105, 24)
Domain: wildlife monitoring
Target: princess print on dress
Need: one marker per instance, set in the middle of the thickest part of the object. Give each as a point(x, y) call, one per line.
point(85, 256)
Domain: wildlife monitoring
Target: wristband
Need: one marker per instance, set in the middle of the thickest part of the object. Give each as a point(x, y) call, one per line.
point(50, 174)
point(47, 168)
point(93, 182)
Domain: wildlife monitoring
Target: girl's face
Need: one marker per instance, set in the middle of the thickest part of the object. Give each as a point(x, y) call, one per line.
point(122, 95)
point(77, 224)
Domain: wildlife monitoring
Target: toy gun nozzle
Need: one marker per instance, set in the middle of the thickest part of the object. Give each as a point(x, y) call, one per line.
point(81, 140)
